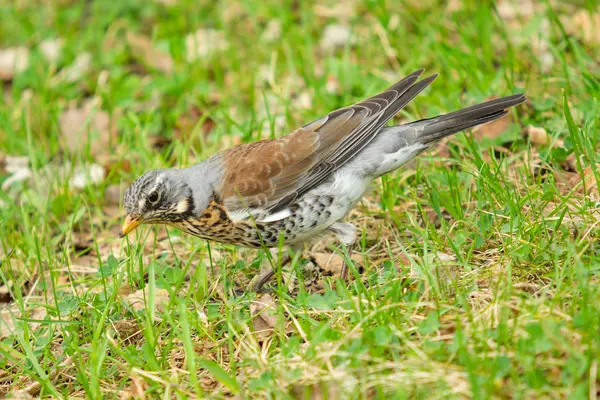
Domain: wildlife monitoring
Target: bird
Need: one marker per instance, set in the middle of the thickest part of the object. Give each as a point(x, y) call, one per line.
point(298, 188)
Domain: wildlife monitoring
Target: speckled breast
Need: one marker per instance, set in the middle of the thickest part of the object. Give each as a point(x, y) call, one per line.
point(309, 216)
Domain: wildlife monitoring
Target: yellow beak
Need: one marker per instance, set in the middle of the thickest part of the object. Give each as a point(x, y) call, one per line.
point(130, 224)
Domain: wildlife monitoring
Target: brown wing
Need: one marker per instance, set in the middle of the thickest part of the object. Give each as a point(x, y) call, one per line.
point(270, 174)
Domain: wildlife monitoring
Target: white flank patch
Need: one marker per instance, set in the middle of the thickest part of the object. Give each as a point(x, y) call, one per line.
point(279, 215)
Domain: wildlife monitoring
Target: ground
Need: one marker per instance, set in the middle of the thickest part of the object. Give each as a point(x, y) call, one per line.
point(477, 273)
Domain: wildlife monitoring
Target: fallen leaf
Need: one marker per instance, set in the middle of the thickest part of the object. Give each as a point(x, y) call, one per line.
point(87, 125)
point(5, 296)
point(128, 331)
point(335, 36)
point(138, 386)
point(34, 387)
point(319, 391)
point(403, 260)
point(78, 176)
point(88, 175)
point(186, 123)
point(9, 320)
point(492, 130)
point(338, 10)
point(441, 266)
point(204, 43)
point(13, 60)
point(303, 101)
point(264, 319)
point(74, 72)
point(585, 25)
point(18, 167)
point(83, 243)
point(51, 49)
point(114, 193)
point(138, 299)
point(332, 262)
point(453, 6)
point(333, 85)
point(567, 181)
point(516, 15)
point(143, 49)
point(113, 163)
point(511, 9)
point(272, 31)
point(540, 44)
point(537, 136)
point(228, 141)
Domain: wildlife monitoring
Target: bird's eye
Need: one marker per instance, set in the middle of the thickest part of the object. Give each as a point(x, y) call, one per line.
point(153, 197)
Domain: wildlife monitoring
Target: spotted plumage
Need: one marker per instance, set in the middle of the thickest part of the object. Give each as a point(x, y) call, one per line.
point(301, 186)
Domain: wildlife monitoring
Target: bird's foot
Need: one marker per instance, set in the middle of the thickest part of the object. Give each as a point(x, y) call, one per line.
point(259, 281)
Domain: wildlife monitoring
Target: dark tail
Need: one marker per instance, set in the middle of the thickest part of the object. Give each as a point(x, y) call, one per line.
point(439, 127)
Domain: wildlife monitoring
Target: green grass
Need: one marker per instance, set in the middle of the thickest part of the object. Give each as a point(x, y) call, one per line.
point(479, 266)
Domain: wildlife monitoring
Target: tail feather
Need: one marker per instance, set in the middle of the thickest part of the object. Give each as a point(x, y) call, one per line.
point(439, 127)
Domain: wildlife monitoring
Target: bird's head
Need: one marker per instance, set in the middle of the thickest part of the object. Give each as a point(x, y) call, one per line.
point(157, 197)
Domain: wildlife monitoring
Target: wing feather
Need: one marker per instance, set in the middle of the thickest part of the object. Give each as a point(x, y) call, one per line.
point(271, 174)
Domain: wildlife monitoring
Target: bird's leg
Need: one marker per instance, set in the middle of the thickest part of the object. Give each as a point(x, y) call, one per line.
point(346, 234)
point(344, 270)
point(267, 273)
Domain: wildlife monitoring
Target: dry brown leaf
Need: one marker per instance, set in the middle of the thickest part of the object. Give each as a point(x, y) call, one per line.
point(517, 13)
point(335, 36)
point(114, 193)
point(5, 296)
point(568, 181)
point(453, 6)
point(403, 260)
point(339, 10)
point(264, 320)
point(318, 391)
point(493, 129)
point(204, 43)
point(13, 60)
point(442, 266)
point(137, 389)
point(143, 49)
point(272, 31)
point(34, 388)
point(8, 322)
point(333, 85)
point(585, 25)
point(511, 9)
point(228, 141)
point(80, 66)
point(186, 123)
point(332, 262)
point(88, 124)
point(18, 167)
point(302, 101)
point(113, 163)
point(51, 49)
point(537, 136)
point(128, 331)
point(138, 299)
point(86, 175)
